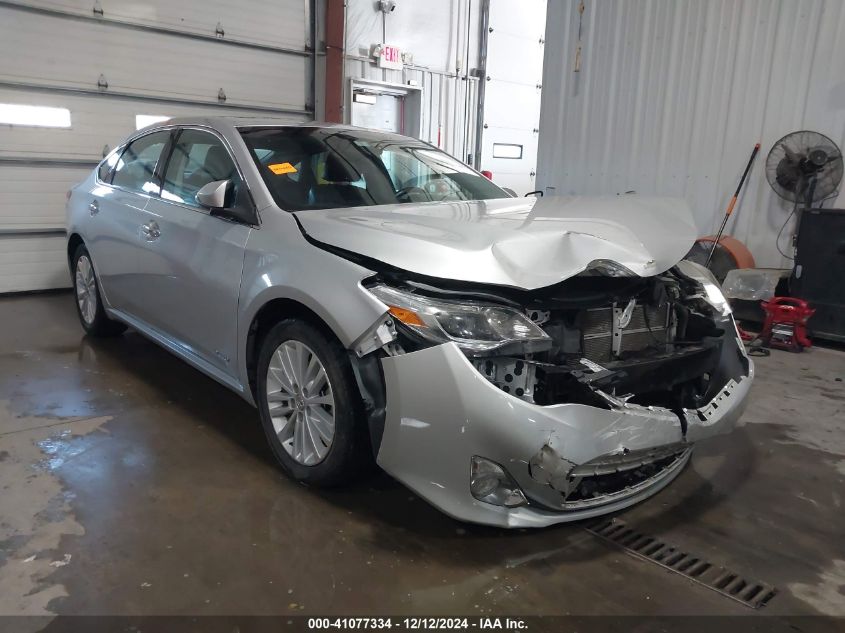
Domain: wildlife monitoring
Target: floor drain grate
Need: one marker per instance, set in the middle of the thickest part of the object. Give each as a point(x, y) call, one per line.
point(728, 583)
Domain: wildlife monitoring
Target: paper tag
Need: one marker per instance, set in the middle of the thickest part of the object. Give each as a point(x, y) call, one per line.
point(282, 168)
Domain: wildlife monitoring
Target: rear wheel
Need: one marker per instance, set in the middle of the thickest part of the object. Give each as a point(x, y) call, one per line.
point(89, 306)
point(310, 408)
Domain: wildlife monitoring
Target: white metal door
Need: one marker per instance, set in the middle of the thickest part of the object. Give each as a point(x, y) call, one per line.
point(108, 62)
point(385, 114)
point(514, 70)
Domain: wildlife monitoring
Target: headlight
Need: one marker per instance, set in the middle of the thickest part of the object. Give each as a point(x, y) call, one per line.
point(608, 268)
point(712, 291)
point(475, 327)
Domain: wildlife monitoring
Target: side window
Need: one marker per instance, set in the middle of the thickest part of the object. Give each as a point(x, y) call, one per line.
point(135, 169)
point(198, 158)
point(106, 168)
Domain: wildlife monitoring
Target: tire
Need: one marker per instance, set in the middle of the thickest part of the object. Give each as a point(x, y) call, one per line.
point(89, 305)
point(296, 427)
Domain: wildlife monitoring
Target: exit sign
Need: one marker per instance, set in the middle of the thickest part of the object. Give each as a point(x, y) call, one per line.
point(390, 57)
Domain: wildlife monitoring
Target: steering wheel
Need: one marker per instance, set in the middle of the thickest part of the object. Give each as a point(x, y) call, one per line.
point(407, 191)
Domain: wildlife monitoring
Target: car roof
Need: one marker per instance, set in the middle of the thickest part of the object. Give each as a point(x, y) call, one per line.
point(231, 123)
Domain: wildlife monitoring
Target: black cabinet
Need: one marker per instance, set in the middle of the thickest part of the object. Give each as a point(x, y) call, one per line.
point(819, 274)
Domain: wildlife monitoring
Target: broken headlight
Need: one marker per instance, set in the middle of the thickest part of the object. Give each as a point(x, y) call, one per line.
point(711, 290)
point(475, 327)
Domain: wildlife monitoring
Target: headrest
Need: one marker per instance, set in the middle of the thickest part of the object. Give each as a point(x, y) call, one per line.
point(338, 171)
point(218, 163)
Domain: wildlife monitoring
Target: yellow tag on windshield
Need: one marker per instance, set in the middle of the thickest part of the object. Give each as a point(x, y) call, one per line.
point(282, 168)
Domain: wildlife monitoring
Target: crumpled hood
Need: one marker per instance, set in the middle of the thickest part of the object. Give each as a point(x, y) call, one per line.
point(525, 243)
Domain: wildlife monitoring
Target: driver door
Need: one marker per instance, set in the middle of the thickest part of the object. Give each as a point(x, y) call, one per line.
point(191, 261)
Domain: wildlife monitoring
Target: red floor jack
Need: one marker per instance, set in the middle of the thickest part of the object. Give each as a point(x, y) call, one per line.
point(785, 326)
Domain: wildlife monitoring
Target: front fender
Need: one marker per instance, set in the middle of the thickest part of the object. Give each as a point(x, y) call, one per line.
point(280, 264)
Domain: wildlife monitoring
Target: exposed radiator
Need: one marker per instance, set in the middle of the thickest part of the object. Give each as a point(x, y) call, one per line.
point(650, 326)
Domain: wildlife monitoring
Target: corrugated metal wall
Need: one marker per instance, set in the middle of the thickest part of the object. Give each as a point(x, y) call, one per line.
point(673, 94)
point(446, 123)
point(442, 36)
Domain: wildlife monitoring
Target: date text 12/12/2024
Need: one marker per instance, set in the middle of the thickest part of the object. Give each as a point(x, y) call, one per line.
point(418, 623)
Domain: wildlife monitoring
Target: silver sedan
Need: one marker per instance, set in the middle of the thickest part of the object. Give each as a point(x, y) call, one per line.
point(515, 361)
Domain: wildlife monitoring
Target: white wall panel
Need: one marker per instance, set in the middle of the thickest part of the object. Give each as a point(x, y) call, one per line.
point(96, 121)
point(512, 105)
point(33, 263)
point(512, 93)
point(508, 172)
point(282, 23)
point(673, 95)
point(142, 62)
point(436, 33)
point(159, 57)
point(447, 121)
point(34, 197)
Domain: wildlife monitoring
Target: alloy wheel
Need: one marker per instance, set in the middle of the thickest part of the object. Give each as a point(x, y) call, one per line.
point(300, 402)
point(86, 289)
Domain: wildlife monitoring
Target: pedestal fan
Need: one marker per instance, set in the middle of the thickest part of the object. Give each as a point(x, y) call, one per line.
point(805, 168)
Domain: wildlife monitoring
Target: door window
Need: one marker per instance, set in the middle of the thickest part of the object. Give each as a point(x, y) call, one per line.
point(135, 170)
point(106, 168)
point(198, 158)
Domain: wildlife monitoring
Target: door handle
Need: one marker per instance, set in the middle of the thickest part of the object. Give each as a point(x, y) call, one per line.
point(151, 231)
point(94, 207)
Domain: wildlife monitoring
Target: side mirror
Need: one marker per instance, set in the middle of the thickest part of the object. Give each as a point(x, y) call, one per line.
point(217, 197)
point(213, 194)
point(510, 192)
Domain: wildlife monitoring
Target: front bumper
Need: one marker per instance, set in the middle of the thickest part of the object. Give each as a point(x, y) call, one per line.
point(441, 412)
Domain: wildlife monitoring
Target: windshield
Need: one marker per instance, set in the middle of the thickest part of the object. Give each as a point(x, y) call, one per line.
point(327, 168)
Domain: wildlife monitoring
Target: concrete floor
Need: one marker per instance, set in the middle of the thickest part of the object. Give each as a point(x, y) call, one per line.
point(132, 484)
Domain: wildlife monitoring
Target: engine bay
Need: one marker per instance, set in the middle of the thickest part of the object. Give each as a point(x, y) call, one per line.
point(649, 341)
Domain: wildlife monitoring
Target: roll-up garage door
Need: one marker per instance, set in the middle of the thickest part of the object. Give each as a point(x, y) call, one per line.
point(514, 68)
point(77, 76)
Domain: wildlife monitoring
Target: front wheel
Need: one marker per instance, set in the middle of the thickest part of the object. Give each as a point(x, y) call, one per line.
point(89, 305)
point(309, 404)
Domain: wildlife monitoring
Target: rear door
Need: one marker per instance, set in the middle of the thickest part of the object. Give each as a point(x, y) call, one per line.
point(191, 261)
point(124, 186)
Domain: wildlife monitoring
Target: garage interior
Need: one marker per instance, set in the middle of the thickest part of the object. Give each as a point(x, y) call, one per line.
point(131, 484)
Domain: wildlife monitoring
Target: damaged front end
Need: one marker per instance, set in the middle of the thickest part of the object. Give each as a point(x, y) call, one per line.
point(527, 408)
